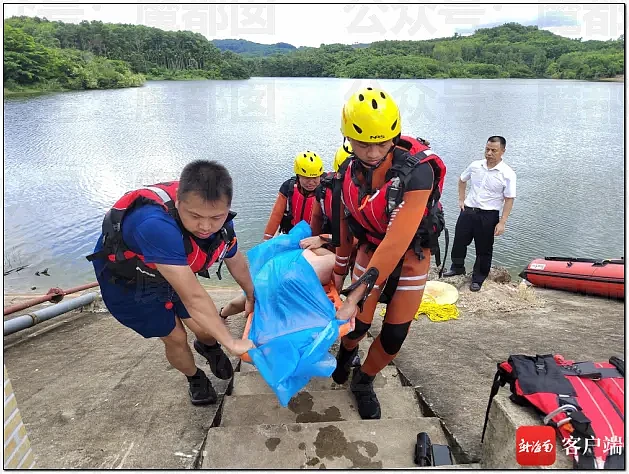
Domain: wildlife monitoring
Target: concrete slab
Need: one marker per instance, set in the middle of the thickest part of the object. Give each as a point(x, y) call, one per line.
point(310, 407)
point(362, 352)
point(452, 363)
point(454, 466)
point(252, 383)
point(369, 444)
point(94, 394)
point(499, 447)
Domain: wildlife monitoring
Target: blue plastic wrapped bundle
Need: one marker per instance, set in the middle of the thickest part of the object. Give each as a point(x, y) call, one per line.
point(294, 323)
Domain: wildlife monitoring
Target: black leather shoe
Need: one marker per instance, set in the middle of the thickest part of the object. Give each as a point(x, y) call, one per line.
point(475, 286)
point(451, 273)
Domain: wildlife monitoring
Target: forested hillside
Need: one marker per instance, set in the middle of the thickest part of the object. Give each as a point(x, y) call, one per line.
point(249, 48)
point(48, 55)
point(510, 50)
point(44, 55)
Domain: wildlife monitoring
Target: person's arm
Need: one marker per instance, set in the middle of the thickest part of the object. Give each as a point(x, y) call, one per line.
point(201, 307)
point(343, 252)
point(462, 186)
point(509, 194)
point(239, 269)
point(276, 217)
point(463, 179)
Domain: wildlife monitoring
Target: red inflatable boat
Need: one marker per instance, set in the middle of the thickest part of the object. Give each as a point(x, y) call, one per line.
point(580, 275)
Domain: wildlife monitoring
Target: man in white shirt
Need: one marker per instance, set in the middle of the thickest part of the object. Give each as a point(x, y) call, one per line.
point(492, 186)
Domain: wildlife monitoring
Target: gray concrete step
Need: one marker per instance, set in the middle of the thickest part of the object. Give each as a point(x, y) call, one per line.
point(311, 407)
point(363, 347)
point(252, 383)
point(370, 444)
point(454, 466)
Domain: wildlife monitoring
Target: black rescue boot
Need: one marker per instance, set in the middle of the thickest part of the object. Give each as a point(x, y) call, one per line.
point(344, 361)
point(220, 364)
point(366, 399)
point(201, 390)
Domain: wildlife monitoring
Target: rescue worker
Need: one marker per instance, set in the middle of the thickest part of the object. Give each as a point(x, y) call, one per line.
point(154, 242)
point(297, 199)
point(394, 253)
point(324, 196)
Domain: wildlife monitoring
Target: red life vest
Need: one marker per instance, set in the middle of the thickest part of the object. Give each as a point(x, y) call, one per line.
point(370, 210)
point(581, 400)
point(128, 265)
point(298, 207)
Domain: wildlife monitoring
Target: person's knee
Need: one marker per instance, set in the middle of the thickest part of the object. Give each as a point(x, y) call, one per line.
point(177, 338)
point(392, 337)
point(360, 329)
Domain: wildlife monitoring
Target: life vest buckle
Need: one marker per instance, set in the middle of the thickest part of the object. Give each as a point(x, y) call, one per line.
point(564, 408)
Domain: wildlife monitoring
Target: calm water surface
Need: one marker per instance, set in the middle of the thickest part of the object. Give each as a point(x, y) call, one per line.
point(70, 156)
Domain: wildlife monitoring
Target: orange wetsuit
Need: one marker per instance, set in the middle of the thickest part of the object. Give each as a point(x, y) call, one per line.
point(304, 206)
point(393, 252)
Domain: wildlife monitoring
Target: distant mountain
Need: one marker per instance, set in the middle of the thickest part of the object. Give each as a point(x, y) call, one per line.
point(252, 49)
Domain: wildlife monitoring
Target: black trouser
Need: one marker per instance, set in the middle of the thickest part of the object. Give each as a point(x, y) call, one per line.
point(478, 225)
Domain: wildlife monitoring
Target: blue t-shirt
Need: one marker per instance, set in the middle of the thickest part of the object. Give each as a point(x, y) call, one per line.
point(150, 231)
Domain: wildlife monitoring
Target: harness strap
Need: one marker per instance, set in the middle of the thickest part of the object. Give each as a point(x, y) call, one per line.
point(337, 188)
point(391, 285)
point(618, 363)
point(589, 370)
point(498, 382)
point(369, 277)
point(445, 256)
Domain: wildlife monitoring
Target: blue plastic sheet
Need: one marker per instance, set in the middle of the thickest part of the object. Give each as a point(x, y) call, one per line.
point(294, 323)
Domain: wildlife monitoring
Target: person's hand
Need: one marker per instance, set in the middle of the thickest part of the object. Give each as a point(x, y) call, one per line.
point(338, 281)
point(462, 204)
point(348, 311)
point(499, 229)
point(249, 305)
point(239, 347)
point(311, 243)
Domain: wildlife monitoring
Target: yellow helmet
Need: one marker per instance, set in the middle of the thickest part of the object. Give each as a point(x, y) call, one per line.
point(341, 155)
point(308, 164)
point(372, 116)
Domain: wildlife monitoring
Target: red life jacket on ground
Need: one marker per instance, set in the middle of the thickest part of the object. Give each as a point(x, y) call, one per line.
point(369, 211)
point(298, 207)
point(128, 265)
point(581, 400)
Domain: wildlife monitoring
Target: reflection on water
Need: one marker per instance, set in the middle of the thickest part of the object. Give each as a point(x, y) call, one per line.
point(70, 156)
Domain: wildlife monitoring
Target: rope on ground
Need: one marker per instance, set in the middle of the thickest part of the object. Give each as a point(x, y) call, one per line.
point(435, 312)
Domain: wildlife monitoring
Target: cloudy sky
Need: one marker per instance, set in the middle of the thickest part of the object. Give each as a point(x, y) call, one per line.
point(312, 25)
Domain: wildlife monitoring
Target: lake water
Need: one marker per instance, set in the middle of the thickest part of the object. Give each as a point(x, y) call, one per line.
point(70, 156)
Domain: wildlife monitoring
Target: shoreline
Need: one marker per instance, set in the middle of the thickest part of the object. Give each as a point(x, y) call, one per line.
point(28, 92)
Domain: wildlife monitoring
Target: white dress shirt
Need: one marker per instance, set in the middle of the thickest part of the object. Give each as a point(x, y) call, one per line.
point(489, 187)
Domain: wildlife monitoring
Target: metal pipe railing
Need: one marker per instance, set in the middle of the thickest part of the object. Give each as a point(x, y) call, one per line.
point(27, 320)
point(54, 294)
